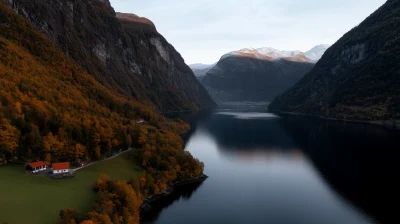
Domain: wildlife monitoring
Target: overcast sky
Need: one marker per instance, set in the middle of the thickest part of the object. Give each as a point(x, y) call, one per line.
point(203, 30)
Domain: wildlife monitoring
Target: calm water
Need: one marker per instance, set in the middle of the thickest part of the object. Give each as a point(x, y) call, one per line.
point(268, 169)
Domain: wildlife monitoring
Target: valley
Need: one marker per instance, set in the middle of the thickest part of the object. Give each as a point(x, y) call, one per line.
point(214, 135)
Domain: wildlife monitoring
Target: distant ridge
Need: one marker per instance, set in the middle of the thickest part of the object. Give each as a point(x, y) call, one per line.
point(259, 74)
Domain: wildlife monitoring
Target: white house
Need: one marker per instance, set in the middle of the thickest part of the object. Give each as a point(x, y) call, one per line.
point(36, 167)
point(59, 168)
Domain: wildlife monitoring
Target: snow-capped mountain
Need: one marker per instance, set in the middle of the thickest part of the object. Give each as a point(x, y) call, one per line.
point(256, 74)
point(273, 54)
point(316, 53)
point(267, 53)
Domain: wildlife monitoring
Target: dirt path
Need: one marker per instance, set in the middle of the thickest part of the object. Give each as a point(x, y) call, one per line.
point(112, 157)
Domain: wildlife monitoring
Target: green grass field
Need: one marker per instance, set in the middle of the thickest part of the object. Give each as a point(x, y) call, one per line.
point(25, 198)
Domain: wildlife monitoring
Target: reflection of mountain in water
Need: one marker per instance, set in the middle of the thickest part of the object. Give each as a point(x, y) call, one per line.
point(360, 161)
point(241, 134)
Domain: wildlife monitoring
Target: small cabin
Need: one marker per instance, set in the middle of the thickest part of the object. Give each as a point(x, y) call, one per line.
point(36, 167)
point(59, 168)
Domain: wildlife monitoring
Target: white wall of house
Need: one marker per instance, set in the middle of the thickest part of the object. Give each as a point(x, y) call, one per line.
point(60, 171)
point(37, 170)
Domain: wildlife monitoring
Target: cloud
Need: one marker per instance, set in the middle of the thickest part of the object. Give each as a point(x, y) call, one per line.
point(203, 30)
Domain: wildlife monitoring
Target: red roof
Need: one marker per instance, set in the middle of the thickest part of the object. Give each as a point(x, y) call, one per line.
point(60, 166)
point(37, 164)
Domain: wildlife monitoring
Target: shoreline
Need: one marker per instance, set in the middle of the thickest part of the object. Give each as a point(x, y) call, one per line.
point(382, 123)
point(188, 111)
point(154, 201)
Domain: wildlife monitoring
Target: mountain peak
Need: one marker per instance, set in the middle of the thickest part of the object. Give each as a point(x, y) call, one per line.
point(317, 52)
point(270, 54)
point(136, 21)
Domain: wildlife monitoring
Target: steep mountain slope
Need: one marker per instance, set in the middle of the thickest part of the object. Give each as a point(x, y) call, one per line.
point(50, 108)
point(201, 70)
point(126, 53)
point(358, 77)
point(255, 74)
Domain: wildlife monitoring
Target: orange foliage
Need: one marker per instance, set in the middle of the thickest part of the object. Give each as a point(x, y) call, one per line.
point(116, 202)
point(50, 106)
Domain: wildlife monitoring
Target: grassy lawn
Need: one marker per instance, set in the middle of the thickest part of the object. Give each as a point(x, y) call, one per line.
point(25, 198)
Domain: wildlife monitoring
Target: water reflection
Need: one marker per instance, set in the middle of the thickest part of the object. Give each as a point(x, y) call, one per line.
point(265, 169)
point(181, 193)
point(360, 161)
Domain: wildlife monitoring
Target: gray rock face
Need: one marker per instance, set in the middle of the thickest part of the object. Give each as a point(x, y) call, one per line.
point(123, 51)
point(358, 77)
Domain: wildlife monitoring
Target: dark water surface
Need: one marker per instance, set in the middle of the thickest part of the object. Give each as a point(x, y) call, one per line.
point(268, 169)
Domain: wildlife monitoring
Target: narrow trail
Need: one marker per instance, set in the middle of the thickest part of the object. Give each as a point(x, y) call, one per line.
point(112, 157)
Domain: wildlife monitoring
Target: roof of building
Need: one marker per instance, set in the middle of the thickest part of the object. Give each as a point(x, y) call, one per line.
point(60, 166)
point(37, 164)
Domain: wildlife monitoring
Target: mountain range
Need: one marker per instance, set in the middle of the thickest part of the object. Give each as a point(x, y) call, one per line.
point(256, 74)
point(358, 77)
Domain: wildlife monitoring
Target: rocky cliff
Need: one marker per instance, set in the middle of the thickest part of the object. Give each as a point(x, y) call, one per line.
point(122, 51)
point(358, 77)
point(255, 74)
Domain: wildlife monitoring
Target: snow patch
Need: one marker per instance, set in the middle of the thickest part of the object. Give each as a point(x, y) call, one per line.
point(271, 53)
point(264, 53)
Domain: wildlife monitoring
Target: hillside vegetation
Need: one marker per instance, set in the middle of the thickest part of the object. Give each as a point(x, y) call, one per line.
point(126, 54)
point(51, 109)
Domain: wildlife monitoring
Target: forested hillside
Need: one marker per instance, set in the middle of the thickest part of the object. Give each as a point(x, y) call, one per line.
point(131, 58)
point(358, 77)
point(52, 109)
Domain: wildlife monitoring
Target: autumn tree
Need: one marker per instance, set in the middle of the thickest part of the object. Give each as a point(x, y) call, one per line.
point(68, 216)
point(9, 136)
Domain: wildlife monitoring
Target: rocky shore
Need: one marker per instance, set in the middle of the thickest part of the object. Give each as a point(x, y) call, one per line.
point(158, 200)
